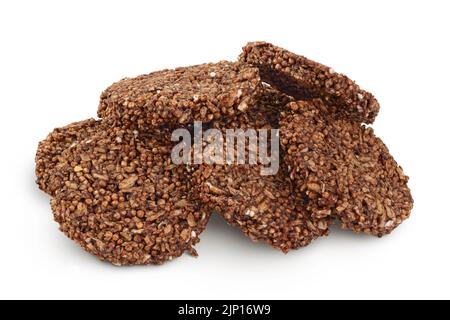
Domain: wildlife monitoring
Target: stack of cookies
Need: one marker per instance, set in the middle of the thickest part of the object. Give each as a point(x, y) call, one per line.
point(118, 193)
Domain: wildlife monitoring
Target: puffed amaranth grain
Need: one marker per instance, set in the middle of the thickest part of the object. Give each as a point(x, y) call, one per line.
point(176, 97)
point(50, 150)
point(125, 202)
point(305, 79)
point(343, 169)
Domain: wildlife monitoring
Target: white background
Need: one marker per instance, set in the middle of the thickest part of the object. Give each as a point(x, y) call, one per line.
point(57, 56)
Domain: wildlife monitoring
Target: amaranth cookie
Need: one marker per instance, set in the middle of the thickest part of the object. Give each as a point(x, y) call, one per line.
point(342, 169)
point(305, 79)
point(125, 202)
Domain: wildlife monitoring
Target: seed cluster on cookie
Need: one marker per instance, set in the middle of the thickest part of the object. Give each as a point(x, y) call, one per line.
point(117, 192)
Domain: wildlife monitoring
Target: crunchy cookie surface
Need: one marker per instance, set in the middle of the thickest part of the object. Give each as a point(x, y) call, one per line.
point(125, 202)
point(50, 150)
point(173, 97)
point(343, 169)
point(305, 79)
point(265, 207)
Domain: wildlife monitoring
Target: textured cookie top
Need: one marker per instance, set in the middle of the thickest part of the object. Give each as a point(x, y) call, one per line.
point(265, 208)
point(342, 168)
point(264, 115)
point(124, 201)
point(305, 79)
point(173, 97)
point(50, 150)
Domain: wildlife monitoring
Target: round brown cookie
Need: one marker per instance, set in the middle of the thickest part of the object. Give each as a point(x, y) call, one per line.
point(264, 207)
point(49, 150)
point(125, 202)
point(343, 169)
point(173, 97)
point(304, 79)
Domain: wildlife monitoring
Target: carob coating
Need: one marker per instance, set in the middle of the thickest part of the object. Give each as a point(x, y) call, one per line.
point(265, 208)
point(50, 150)
point(305, 79)
point(342, 168)
point(125, 202)
point(180, 96)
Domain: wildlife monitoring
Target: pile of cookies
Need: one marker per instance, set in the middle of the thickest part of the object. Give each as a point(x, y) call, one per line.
point(117, 192)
